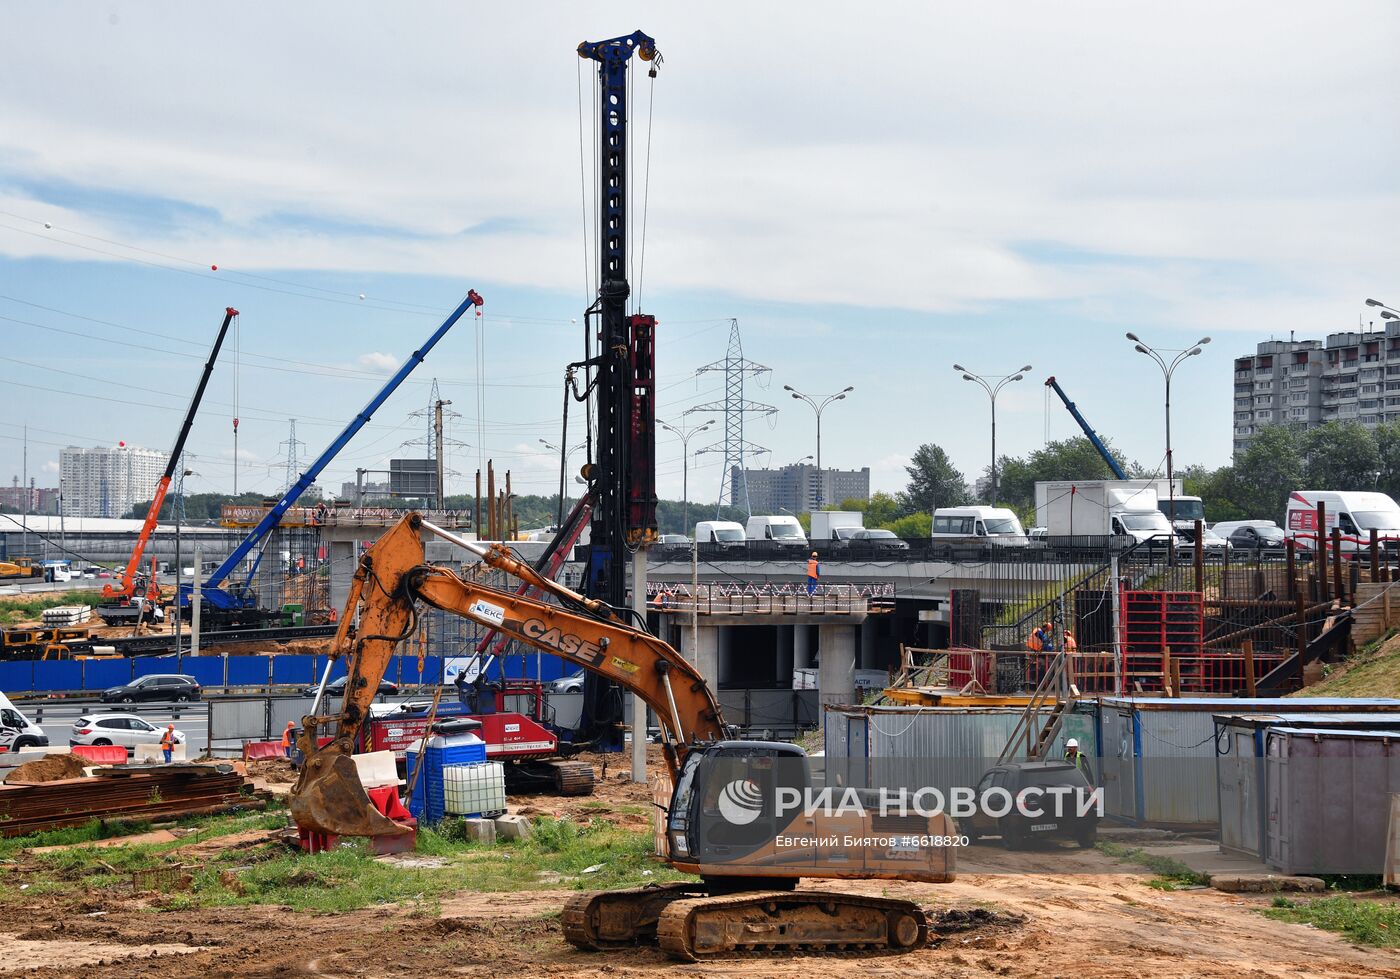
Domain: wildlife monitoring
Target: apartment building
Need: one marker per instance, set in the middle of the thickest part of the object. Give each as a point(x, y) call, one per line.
point(1353, 376)
point(107, 482)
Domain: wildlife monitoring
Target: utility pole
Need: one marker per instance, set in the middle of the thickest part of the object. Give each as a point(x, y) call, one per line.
point(437, 438)
point(819, 406)
point(992, 386)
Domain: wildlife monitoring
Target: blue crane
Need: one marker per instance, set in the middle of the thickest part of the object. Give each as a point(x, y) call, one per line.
point(239, 598)
point(1093, 436)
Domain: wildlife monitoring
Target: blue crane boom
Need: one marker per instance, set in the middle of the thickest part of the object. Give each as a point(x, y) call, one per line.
point(230, 600)
point(1093, 436)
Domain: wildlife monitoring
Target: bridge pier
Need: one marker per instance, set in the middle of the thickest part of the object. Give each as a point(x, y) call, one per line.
point(836, 676)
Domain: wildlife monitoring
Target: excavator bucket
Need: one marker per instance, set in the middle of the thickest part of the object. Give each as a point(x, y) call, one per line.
point(329, 799)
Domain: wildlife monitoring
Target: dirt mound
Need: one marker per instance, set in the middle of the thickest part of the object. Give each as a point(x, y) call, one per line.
point(50, 768)
point(273, 771)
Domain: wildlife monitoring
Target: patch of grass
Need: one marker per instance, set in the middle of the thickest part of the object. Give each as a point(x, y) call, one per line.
point(1364, 922)
point(1374, 671)
point(15, 609)
point(1171, 873)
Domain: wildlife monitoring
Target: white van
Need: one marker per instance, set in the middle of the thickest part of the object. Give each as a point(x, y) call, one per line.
point(1356, 514)
point(997, 525)
point(18, 731)
point(726, 533)
point(783, 531)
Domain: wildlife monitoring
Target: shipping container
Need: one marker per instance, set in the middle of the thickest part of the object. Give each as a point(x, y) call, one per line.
point(1157, 754)
point(1241, 771)
point(1329, 799)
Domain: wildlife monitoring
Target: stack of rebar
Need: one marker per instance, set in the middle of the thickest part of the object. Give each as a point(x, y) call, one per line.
point(126, 792)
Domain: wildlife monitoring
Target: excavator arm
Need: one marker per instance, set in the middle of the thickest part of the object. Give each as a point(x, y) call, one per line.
point(393, 577)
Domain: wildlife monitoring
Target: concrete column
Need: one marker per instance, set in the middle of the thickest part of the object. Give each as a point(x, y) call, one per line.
point(343, 558)
point(836, 645)
point(867, 645)
point(784, 653)
point(705, 656)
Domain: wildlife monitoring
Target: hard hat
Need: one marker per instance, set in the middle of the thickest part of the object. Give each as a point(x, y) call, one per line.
point(1072, 743)
point(814, 554)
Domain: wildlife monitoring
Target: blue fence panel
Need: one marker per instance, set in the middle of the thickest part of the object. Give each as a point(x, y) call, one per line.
point(247, 671)
point(408, 674)
point(294, 670)
point(17, 676)
point(146, 665)
point(337, 671)
point(60, 675)
point(549, 667)
point(99, 674)
point(208, 670)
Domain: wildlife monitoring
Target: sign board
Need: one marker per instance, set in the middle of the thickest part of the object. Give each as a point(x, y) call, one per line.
point(413, 478)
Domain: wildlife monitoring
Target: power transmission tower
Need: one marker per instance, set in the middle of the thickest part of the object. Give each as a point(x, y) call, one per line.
point(295, 462)
point(734, 482)
point(434, 441)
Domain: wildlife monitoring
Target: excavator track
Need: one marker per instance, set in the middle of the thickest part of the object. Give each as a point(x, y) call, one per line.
point(764, 922)
point(617, 919)
point(572, 777)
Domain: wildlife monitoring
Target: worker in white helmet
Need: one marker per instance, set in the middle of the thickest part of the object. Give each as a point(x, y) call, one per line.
point(1078, 759)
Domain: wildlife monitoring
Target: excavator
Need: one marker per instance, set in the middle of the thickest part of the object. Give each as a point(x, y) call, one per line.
point(722, 823)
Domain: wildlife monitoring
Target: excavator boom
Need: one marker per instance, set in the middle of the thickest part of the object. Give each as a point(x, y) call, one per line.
point(393, 577)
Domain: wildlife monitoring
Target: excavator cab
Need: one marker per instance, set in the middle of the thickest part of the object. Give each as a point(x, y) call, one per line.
point(726, 804)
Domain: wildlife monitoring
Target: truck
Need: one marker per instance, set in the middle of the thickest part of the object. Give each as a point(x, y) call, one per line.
point(836, 525)
point(20, 567)
point(1102, 508)
point(781, 531)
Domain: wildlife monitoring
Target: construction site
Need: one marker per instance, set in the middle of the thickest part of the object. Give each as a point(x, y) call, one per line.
point(1073, 716)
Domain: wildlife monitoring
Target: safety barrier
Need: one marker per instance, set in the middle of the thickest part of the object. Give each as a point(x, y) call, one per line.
point(101, 754)
point(262, 750)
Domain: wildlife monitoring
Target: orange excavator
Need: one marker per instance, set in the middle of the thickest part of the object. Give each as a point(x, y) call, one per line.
point(725, 822)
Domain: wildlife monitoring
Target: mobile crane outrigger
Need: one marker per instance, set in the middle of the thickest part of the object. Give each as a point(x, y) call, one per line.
point(745, 900)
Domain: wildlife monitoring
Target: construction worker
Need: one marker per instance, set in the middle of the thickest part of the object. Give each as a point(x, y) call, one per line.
point(287, 739)
point(167, 742)
point(1070, 645)
point(1042, 638)
point(1078, 759)
point(814, 573)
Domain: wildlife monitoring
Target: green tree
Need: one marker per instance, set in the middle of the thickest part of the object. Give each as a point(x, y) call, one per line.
point(1339, 456)
point(1387, 438)
point(933, 482)
point(1074, 458)
point(912, 526)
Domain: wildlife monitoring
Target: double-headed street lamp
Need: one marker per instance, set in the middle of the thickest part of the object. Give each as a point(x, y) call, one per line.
point(1387, 312)
point(992, 386)
point(1168, 368)
point(684, 435)
point(563, 467)
point(819, 405)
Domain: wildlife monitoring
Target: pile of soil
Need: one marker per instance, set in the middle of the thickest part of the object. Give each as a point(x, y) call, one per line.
point(273, 771)
point(50, 768)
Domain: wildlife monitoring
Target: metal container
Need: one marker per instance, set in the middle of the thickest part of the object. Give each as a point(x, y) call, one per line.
point(1241, 773)
point(1329, 799)
point(1157, 754)
point(941, 747)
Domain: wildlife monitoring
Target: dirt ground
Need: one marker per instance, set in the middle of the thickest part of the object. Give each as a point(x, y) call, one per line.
point(1076, 914)
point(1074, 925)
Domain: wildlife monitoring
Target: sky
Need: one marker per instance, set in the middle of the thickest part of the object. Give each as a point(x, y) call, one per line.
point(871, 201)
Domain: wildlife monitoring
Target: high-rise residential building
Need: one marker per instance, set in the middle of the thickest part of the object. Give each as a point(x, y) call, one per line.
point(798, 488)
point(1353, 376)
point(108, 481)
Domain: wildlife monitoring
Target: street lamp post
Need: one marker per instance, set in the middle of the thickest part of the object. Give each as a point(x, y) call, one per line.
point(684, 435)
point(992, 386)
point(1169, 368)
point(819, 405)
point(563, 466)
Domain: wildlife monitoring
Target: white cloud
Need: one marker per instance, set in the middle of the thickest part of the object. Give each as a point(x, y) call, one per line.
point(377, 361)
point(50, 467)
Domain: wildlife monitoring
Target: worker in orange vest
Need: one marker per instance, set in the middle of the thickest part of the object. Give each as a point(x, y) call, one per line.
point(167, 742)
point(814, 573)
point(287, 739)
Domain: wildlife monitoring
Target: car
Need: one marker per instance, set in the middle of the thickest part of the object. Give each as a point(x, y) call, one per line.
point(878, 540)
point(104, 574)
point(156, 686)
point(571, 683)
point(126, 730)
point(336, 688)
point(1212, 544)
point(1256, 538)
point(673, 543)
point(1017, 828)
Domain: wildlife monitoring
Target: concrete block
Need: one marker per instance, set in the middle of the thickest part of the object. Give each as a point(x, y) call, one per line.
point(513, 828)
point(376, 769)
point(480, 830)
point(150, 754)
point(1265, 883)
